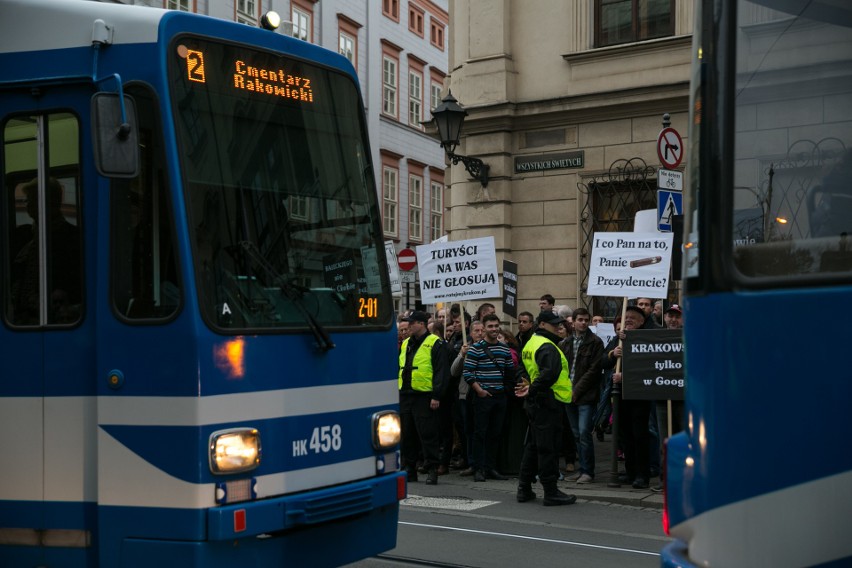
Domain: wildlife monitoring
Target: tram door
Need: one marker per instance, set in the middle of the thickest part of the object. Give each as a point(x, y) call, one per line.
point(47, 403)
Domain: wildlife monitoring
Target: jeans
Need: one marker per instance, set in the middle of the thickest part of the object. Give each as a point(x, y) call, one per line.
point(580, 417)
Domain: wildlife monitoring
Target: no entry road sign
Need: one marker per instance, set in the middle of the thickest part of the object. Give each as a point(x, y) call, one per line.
point(407, 259)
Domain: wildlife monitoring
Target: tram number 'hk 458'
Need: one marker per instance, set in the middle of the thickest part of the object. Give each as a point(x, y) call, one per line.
point(324, 439)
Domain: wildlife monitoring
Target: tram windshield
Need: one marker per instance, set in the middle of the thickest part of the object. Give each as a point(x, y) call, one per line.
point(279, 190)
point(793, 140)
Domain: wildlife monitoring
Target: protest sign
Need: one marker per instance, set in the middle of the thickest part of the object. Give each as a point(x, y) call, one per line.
point(458, 270)
point(606, 331)
point(653, 364)
point(371, 282)
point(339, 273)
point(630, 264)
point(510, 288)
point(393, 268)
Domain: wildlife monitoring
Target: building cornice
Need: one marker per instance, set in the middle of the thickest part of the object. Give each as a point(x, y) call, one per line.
point(610, 105)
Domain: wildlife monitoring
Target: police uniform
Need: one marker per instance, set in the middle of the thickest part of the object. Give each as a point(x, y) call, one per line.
point(423, 376)
point(545, 367)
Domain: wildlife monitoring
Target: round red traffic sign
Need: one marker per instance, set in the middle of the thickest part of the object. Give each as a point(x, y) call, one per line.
point(407, 259)
point(669, 148)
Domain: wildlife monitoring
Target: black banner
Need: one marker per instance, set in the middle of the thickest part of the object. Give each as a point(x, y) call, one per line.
point(510, 288)
point(652, 364)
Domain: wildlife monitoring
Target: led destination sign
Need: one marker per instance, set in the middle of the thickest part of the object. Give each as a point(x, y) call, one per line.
point(269, 80)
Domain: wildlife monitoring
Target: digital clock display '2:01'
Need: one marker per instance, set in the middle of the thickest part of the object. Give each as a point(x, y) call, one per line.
point(368, 308)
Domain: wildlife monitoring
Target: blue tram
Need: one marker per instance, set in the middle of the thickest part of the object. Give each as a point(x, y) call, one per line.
point(762, 475)
point(198, 349)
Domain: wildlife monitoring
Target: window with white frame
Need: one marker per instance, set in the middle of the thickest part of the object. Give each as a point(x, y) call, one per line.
point(415, 208)
point(347, 47)
point(390, 201)
point(437, 211)
point(301, 24)
point(299, 207)
point(182, 5)
point(389, 86)
point(247, 12)
point(435, 95)
point(415, 98)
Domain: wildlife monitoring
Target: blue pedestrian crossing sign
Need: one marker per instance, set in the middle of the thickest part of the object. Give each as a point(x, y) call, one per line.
point(669, 204)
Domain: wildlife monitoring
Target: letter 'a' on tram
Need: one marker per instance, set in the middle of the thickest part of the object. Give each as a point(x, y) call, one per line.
point(197, 349)
point(762, 473)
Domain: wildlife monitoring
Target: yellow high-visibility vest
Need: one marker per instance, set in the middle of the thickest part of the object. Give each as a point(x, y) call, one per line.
point(421, 372)
point(562, 388)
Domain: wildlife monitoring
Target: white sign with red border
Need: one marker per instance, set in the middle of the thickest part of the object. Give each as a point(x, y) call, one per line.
point(670, 148)
point(407, 259)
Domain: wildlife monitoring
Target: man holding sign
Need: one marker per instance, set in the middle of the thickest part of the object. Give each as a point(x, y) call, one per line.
point(633, 414)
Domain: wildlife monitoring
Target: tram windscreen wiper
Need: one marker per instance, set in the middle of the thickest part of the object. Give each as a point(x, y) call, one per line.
point(291, 291)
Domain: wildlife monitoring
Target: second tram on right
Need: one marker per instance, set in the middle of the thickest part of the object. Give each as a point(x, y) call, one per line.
point(762, 474)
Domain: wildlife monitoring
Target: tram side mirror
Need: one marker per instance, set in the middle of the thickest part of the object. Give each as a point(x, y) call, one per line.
point(115, 141)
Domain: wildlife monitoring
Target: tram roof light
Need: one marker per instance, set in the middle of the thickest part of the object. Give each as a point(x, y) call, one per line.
point(270, 20)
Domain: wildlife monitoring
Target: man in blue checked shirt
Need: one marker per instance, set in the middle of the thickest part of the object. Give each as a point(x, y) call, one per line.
point(487, 362)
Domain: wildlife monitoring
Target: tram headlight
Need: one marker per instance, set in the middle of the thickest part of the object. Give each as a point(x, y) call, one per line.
point(234, 450)
point(386, 430)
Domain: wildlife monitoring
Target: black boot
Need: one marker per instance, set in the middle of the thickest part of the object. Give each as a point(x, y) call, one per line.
point(525, 493)
point(412, 474)
point(554, 497)
point(432, 478)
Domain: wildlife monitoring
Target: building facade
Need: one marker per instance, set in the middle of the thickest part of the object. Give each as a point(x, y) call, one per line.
point(400, 51)
point(566, 100)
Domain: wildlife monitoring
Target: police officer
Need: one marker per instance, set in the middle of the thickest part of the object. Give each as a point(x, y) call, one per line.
point(547, 388)
point(423, 377)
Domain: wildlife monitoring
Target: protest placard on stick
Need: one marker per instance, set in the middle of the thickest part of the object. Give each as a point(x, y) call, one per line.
point(458, 270)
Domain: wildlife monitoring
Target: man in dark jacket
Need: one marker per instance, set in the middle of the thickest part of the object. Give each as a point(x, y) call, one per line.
point(423, 375)
point(584, 351)
point(633, 415)
point(547, 388)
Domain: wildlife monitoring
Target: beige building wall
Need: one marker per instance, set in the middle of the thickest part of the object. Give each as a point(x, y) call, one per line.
point(533, 84)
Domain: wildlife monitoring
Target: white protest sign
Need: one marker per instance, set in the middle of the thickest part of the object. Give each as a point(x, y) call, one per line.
point(606, 331)
point(630, 264)
point(393, 268)
point(458, 270)
point(372, 276)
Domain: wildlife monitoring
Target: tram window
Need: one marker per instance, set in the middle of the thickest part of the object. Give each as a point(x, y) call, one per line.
point(145, 284)
point(43, 276)
point(792, 200)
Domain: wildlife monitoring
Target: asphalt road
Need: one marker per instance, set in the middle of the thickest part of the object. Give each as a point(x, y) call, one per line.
point(483, 526)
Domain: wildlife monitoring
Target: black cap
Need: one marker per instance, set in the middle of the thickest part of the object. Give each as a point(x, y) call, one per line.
point(637, 309)
point(547, 316)
point(674, 308)
point(417, 316)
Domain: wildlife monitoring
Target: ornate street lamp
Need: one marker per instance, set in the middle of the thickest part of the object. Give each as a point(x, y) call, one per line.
point(449, 117)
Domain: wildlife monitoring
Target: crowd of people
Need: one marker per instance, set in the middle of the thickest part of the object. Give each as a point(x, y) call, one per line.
point(461, 375)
